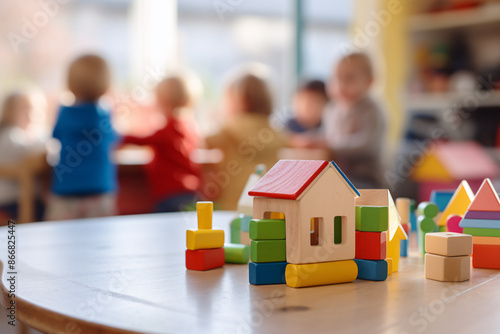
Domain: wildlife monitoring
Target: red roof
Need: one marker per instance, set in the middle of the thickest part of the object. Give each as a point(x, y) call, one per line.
point(288, 178)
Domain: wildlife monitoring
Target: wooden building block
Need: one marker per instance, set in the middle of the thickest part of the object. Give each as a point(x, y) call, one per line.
point(403, 251)
point(371, 245)
point(323, 273)
point(204, 259)
point(268, 251)
point(204, 239)
point(459, 203)
point(372, 218)
point(205, 211)
point(482, 232)
point(486, 198)
point(235, 229)
point(453, 224)
point(372, 270)
point(245, 223)
point(448, 244)
point(373, 197)
point(486, 256)
point(482, 215)
point(267, 273)
point(480, 223)
point(389, 266)
point(236, 253)
point(427, 209)
point(267, 229)
point(403, 206)
point(441, 198)
point(245, 238)
point(413, 215)
point(447, 268)
point(485, 240)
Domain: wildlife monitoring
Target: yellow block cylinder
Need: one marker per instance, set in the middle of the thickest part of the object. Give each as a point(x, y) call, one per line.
point(205, 211)
point(312, 274)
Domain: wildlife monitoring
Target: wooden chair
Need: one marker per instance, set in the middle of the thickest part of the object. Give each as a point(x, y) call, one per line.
point(25, 173)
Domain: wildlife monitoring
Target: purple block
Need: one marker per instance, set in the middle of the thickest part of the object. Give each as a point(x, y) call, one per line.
point(482, 215)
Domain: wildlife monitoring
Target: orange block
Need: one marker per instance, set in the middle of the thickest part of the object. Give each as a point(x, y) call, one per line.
point(486, 256)
point(486, 198)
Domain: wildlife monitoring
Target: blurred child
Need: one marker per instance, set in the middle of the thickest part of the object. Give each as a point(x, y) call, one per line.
point(246, 138)
point(354, 126)
point(16, 144)
point(308, 105)
point(84, 180)
point(173, 177)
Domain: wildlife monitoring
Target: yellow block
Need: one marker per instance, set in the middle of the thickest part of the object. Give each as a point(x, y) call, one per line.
point(205, 211)
point(204, 239)
point(393, 252)
point(312, 274)
point(486, 240)
point(458, 204)
point(277, 215)
point(389, 266)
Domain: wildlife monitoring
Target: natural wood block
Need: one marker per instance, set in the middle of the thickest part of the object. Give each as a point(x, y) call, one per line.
point(448, 244)
point(205, 211)
point(372, 270)
point(267, 273)
point(313, 274)
point(371, 245)
point(268, 251)
point(482, 232)
point(447, 268)
point(204, 259)
point(486, 256)
point(373, 197)
point(236, 253)
point(245, 238)
point(267, 229)
point(485, 240)
point(403, 206)
point(372, 218)
point(204, 239)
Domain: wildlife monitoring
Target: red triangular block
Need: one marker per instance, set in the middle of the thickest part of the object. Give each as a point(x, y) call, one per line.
point(486, 198)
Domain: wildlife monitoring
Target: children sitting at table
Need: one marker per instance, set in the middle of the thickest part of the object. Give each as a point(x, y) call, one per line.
point(354, 125)
point(17, 143)
point(246, 138)
point(308, 104)
point(84, 180)
point(174, 178)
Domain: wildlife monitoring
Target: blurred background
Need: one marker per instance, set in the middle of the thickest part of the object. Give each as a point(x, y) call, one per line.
point(436, 70)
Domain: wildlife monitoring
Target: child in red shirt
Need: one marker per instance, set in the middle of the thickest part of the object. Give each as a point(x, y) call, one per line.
point(173, 177)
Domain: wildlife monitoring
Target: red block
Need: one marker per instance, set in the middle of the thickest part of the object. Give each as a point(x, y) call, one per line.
point(204, 259)
point(371, 245)
point(405, 227)
point(486, 256)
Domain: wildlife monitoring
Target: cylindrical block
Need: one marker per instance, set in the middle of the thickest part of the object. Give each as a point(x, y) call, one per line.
point(205, 211)
point(302, 275)
point(403, 206)
point(237, 253)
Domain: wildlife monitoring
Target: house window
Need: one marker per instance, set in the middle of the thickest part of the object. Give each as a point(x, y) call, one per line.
point(337, 230)
point(315, 226)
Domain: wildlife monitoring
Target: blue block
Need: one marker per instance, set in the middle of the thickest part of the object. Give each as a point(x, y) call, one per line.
point(441, 198)
point(245, 223)
point(372, 270)
point(403, 251)
point(267, 273)
point(413, 216)
point(480, 223)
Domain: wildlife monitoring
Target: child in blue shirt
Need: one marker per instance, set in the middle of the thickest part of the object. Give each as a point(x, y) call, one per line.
point(84, 180)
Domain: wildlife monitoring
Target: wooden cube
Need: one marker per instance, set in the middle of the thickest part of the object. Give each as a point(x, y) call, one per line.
point(267, 273)
point(267, 229)
point(268, 251)
point(371, 245)
point(486, 256)
point(372, 270)
point(372, 218)
point(204, 259)
point(447, 268)
point(448, 244)
point(204, 239)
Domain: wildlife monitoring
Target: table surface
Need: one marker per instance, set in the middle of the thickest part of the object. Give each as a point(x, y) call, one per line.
point(126, 274)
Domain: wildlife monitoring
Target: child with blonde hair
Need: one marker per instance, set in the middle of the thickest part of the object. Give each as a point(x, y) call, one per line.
point(16, 145)
point(246, 138)
point(84, 180)
point(174, 178)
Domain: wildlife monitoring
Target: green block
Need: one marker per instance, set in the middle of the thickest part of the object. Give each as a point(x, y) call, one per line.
point(236, 253)
point(235, 231)
point(372, 218)
point(482, 232)
point(267, 229)
point(268, 251)
point(428, 209)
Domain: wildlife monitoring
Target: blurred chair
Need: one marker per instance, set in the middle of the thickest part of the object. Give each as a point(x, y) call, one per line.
point(25, 174)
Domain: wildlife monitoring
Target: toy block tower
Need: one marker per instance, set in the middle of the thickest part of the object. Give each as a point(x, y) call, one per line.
point(447, 257)
point(427, 211)
point(482, 221)
point(204, 245)
point(403, 206)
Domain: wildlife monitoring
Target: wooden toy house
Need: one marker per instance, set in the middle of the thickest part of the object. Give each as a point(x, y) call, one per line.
point(318, 203)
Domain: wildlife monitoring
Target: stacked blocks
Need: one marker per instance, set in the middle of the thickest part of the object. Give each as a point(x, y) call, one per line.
point(448, 256)
point(403, 206)
point(267, 251)
point(372, 223)
point(204, 246)
point(482, 221)
point(427, 212)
